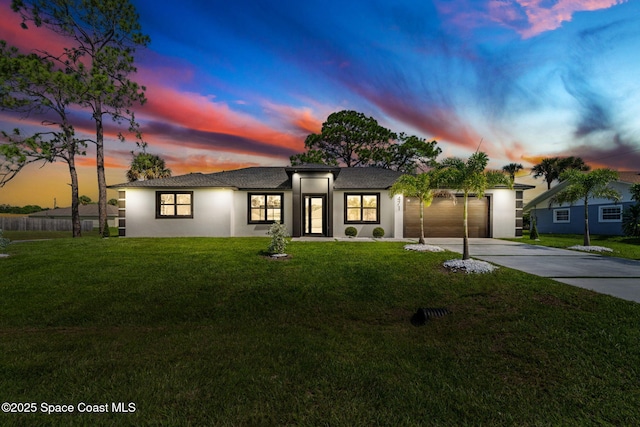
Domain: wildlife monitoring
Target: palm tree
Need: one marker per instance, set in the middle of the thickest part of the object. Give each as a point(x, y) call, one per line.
point(548, 168)
point(571, 162)
point(552, 167)
point(584, 186)
point(424, 187)
point(470, 177)
point(512, 169)
point(147, 166)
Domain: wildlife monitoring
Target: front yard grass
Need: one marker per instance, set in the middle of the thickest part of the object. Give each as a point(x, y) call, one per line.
point(40, 235)
point(623, 247)
point(209, 332)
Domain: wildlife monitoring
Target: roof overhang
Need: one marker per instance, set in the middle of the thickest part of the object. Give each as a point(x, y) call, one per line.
point(335, 170)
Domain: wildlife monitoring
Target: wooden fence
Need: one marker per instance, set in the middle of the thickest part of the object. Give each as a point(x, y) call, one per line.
point(41, 224)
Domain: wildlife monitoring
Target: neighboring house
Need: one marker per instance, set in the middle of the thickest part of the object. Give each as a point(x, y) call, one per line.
point(311, 200)
point(605, 216)
point(87, 212)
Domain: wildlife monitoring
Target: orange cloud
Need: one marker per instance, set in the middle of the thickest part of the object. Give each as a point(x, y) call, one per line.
point(199, 112)
point(306, 122)
point(110, 162)
point(203, 163)
point(300, 119)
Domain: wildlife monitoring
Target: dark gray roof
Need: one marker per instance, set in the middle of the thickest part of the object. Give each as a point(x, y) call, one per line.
point(365, 178)
point(272, 178)
point(268, 178)
point(278, 178)
point(191, 180)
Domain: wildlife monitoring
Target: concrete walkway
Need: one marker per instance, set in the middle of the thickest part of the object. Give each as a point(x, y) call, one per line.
point(604, 274)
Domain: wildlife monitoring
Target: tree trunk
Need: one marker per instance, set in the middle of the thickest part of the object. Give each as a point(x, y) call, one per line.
point(421, 240)
point(465, 239)
point(587, 238)
point(75, 212)
point(102, 182)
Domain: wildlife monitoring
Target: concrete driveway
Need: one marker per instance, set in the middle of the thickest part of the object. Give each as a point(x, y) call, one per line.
point(607, 275)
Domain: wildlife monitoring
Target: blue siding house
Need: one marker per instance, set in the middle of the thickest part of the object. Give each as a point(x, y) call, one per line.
point(605, 216)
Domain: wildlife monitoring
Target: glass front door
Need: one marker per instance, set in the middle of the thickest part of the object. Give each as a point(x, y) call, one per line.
point(314, 215)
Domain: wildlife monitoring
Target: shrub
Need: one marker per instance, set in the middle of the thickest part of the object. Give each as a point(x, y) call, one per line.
point(631, 221)
point(105, 230)
point(279, 235)
point(533, 235)
point(4, 242)
point(378, 232)
point(351, 231)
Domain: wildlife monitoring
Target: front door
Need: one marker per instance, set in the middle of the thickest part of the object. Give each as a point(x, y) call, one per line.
point(314, 215)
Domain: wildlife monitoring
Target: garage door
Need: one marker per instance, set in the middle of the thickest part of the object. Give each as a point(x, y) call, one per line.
point(444, 218)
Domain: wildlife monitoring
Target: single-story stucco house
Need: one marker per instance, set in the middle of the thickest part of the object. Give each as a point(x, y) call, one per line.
point(605, 216)
point(87, 212)
point(311, 200)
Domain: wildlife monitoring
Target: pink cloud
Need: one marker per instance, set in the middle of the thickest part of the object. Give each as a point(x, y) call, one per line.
point(527, 17)
point(27, 40)
point(301, 120)
point(541, 18)
point(201, 113)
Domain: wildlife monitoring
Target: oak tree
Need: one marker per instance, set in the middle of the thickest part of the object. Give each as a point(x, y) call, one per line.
point(352, 139)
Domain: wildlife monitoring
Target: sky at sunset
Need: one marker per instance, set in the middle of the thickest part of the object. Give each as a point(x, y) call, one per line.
point(242, 83)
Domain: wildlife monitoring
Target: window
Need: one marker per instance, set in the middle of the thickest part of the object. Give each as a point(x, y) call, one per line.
point(561, 216)
point(174, 204)
point(265, 208)
point(362, 208)
point(610, 213)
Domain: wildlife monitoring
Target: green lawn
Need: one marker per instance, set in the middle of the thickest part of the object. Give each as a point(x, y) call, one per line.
point(37, 235)
point(210, 332)
point(623, 247)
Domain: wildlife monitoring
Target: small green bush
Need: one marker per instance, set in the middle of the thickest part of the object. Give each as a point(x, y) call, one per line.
point(534, 231)
point(4, 242)
point(105, 231)
point(378, 232)
point(279, 235)
point(351, 231)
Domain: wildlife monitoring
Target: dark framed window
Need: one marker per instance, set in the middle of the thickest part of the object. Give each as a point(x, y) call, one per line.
point(174, 204)
point(362, 208)
point(265, 208)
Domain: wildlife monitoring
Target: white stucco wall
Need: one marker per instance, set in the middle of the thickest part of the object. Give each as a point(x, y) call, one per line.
point(240, 218)
point(387, 215)
point(398, 216)
point(503, 212)
point(212, 215)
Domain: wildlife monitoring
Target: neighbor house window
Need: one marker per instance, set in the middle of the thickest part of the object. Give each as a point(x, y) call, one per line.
point(362, 208)
point(610, 213)
point(561, 216)
point(265, 208)
point(174, 204)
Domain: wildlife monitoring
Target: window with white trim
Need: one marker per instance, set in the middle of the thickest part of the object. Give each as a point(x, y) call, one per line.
point(561, 216)
point(611, 213)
